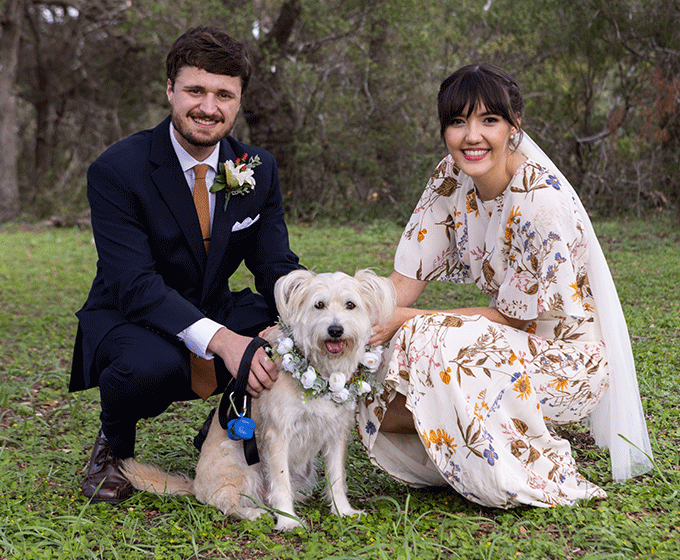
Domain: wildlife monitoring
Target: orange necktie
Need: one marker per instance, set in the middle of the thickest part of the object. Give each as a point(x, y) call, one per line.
point(203, 379)
point(202, 202)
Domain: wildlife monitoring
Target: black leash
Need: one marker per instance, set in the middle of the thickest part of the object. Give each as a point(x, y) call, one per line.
point(227, 411)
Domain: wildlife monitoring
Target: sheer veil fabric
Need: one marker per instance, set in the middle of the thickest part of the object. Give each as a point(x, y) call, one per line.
point(619, 415)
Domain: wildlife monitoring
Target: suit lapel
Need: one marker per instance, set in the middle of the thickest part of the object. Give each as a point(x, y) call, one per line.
point(169, 180)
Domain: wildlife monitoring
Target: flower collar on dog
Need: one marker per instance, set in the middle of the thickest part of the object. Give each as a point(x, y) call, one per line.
point(235, 177)
point(337, 387)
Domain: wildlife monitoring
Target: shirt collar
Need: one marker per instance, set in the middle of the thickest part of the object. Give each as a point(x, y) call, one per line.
point(186, 160)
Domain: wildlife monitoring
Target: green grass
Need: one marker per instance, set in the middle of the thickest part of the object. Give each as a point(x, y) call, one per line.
point(46, 434)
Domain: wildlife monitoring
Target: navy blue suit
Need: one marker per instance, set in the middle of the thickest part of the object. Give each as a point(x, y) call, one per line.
point(153, 272)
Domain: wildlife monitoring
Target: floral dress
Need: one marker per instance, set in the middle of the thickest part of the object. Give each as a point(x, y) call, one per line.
point(483, 395)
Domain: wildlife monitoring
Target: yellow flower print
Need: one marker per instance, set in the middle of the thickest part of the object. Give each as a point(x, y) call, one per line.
point(479, 407)
point(576, 296)
point(421, 235)
point(514, 213)
point(440, 437)
point(560, 383)
point(514, 358)
point(446, 375)
point(523, 386)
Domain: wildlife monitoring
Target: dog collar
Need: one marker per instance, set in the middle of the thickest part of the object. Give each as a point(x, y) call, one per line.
point(337, 387)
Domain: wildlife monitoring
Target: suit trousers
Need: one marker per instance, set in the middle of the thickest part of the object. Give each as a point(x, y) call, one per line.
point(141, 373)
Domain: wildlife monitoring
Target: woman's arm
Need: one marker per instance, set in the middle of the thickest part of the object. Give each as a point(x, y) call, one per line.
point(408, 291)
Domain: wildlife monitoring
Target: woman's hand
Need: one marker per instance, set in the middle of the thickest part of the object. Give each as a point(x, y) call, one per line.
point(383, 333)
point(408, 290)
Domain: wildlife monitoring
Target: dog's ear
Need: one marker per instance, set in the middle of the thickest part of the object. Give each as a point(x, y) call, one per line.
point(287, 286)
point(379, 294)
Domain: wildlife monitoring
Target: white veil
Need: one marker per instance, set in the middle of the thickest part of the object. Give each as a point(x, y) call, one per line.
point(619, 414)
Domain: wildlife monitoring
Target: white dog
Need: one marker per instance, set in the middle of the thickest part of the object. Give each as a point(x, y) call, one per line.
point(328, 317)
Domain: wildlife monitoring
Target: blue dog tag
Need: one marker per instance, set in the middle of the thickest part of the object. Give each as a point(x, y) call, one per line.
point(241, 428)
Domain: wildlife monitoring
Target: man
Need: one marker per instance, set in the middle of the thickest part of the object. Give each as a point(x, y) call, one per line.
point(160, 308)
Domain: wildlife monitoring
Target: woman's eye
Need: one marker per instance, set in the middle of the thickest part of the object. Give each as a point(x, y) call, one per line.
point(319, 305)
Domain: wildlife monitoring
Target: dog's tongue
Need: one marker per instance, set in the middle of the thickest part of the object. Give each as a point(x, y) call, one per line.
point(334, 347)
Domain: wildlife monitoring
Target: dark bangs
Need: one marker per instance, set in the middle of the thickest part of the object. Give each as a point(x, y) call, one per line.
point(478, 84)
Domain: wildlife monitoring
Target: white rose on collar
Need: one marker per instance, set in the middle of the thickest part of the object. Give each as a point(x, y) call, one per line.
point(308, 378)
point(337, 381)
point(284, 345)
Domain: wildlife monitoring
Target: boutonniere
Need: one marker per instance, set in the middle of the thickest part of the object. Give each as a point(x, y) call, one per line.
point(235, 177)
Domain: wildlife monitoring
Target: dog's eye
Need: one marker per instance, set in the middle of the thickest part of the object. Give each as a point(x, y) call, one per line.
point(319, 305)
point(350, 305)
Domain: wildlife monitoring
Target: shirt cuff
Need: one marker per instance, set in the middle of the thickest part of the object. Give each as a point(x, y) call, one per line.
point(196, 337)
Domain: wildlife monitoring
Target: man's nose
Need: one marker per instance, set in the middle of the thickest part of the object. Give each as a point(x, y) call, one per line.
point(209, 104)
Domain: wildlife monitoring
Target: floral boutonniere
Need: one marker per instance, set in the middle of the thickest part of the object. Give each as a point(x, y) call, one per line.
point(235, 177)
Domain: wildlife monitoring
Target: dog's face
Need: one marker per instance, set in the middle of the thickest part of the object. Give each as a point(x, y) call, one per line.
point(331, 314)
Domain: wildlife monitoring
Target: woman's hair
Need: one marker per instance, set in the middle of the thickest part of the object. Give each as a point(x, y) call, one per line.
point(470, 85)
point(212, 50)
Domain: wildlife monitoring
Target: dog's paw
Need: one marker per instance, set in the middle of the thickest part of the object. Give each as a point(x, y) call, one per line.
point(251, 514)
point(349, 512)
point(284, 523)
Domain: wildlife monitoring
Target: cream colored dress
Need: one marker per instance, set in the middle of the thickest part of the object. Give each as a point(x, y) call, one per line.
point(483, 396)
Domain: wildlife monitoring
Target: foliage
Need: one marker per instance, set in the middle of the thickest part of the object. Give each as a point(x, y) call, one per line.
point(47, 433)
point(344, 92)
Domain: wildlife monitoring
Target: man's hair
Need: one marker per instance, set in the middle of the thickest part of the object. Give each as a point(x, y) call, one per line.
point(212, 50)
point(471, 85)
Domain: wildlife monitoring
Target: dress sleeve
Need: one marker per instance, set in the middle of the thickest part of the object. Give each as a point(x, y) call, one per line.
point(546, 255)
point(429, 247)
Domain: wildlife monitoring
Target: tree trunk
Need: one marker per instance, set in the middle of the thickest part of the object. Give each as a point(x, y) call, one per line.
point(267, 109)
point(12, 18)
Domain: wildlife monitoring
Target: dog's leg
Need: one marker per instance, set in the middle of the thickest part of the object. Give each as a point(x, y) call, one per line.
point(281, 488)
point(224, 480)
point(334, 458)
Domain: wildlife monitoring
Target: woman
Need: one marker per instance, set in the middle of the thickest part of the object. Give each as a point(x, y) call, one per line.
point(469, 395)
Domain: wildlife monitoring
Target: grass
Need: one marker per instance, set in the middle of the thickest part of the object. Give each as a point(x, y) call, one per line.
point(46, 434)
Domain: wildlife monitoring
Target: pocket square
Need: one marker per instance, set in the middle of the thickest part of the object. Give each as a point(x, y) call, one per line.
point(238, 226)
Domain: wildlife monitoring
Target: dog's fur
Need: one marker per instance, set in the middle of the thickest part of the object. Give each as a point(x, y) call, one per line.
point(290, 432)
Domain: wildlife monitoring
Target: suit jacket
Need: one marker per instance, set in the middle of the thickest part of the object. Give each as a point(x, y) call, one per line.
point(152, 268)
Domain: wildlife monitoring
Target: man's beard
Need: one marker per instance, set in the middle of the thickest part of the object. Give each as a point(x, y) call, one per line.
point(195, 139)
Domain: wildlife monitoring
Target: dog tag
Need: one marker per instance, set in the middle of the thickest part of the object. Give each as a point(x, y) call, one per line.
point(241, 428)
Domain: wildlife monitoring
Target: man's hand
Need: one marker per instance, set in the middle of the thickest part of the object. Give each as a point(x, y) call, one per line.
point(231, 346)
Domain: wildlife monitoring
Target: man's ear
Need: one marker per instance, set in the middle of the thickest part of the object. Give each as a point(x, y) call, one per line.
point(169, 90)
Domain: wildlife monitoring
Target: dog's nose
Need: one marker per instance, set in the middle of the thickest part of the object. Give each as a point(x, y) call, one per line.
point(335, 331)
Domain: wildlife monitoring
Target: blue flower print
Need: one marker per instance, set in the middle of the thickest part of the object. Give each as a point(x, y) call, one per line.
point(550, 272)
point(559, 258)
point(490, 455)
point(553, 182)
point(370, 428)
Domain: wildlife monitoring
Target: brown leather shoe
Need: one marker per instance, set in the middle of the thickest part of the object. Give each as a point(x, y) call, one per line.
point(104, 470)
